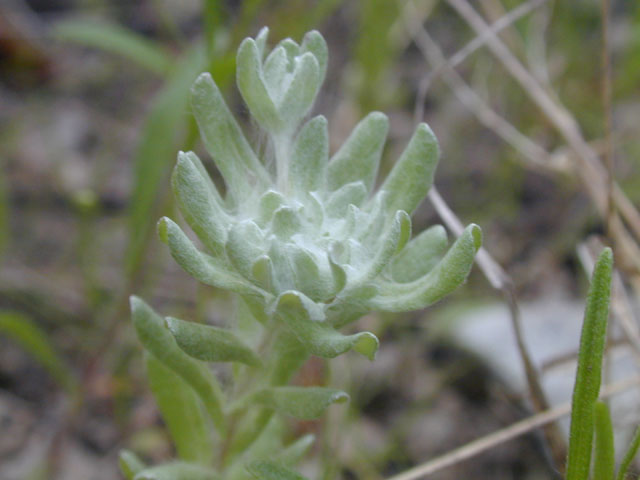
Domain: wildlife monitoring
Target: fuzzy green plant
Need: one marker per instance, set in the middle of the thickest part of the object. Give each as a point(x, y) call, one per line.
point(306, 243)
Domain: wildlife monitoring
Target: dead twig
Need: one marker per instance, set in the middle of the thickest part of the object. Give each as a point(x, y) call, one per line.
point(499, 437)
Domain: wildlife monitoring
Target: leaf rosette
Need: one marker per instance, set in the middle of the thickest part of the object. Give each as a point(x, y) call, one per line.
point(305, 239)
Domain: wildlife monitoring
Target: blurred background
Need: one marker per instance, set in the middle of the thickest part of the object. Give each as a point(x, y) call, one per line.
point(536, 105)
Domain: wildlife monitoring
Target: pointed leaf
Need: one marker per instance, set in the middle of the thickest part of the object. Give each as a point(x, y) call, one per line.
point(130, 464)
point(202, 267)
point(445, 277)
point(157, 340)
point(604, 451)
point(314, 42)
point(359, 156)
point(412, 176)
point(209, 343)
point(177, 471)
point(305, 403)
point(225, 142)
point(301, 93)
point(307, 171)
point(264, 470)
point(198, 205)
point(589, 371)
point(252, 86)
point(205, 174)
point(305, 320)
point(181, 411)
point(420, 255)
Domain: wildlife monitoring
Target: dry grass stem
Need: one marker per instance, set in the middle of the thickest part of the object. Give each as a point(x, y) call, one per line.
point(499, 437)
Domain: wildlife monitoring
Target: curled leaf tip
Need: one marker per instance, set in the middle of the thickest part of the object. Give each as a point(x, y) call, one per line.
point(367, 344)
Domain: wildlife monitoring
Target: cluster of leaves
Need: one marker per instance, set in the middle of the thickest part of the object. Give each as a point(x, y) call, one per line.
point(308, 248)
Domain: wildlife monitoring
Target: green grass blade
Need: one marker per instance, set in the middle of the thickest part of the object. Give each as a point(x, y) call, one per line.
point(604, 460)
point(588, 375)
point(29, 336)
point(629, 456)
point(115, 39)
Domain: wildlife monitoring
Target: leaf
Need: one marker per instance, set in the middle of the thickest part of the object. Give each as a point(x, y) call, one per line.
point(275, 71)
point(307, 171)
point(210, 344)
point(604, 460)
point(305, 403)
point(286, 222)
point(359, 157)
point(305, 320)
point(353, 193)
point(264, 470)
point(629, 456)
point(246, 243)
point(158, 340)
point(115, 39)
point(225, 142)
point(420, 255)
point(181, 411)
point(588, 374)
point(261, 40)
point(445, 277)
point(164, 127)
point(314, 42)
point(294, 452)
point(301, 92)
point(251, 84)
point(34, 341)
point(392, 238)
point(412, 176)
point(204, 268)
point(199, 206)
point(130, 464)
point(177, 471)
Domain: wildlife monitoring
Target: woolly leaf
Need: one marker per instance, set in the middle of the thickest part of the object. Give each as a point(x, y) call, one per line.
point(412, 176)
point(301, 92)
point(225, 142)
point(209, 343)
point(181, 412)
point(305, 403)
point(202, 267)
point(251, 84)
point(305, 320)
point(359, 156)
point(353, 193)
point(244, 245)
point(420, 255)
point(445, 277)
point(314, 42)
point(157, 340)
point(198, 205)
point(275, 71)
point(309, 158)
